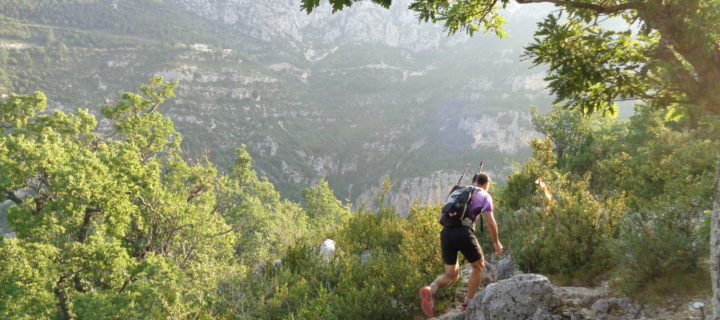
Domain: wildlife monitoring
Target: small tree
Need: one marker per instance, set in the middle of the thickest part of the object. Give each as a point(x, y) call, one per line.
point(106, 225)
point(324, 210)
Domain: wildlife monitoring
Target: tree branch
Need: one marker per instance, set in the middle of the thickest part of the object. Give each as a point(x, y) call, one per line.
point(233, 229)
point(147, 205)
point(63, 300)
point(488, 9)
point(189, 252)
point(600, 9)
point(11, 195)
point(683, 78)
point(127, 281)
point(197, 190)
point(85, 227)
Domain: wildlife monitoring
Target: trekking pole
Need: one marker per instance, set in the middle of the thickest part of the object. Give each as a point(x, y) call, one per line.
point(463, 174)
point(482, 163)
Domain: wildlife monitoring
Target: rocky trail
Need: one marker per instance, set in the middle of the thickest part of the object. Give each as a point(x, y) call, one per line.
point(508, 293)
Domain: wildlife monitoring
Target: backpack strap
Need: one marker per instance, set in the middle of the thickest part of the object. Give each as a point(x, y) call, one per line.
point(467, 204)
point(481, 223)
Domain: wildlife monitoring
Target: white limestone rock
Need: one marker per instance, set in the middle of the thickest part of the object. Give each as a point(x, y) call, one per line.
point(519, 298)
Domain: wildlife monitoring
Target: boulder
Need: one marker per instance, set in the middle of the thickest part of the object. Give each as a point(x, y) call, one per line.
point(531, 296)
point(263, 268)
point(489, 274)
point(327, 249)
point(452, 315)
point(258, 270)
point(506, 269)
point(611, 308)
point(365, 256)
point(519, 297)
point(580, 297)
point(542, 314)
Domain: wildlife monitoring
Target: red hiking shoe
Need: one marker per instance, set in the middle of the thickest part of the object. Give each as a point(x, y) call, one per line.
point(426, 301)
point(463, 307)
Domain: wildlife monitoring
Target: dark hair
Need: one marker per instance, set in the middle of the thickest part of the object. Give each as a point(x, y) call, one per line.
point(480, 179)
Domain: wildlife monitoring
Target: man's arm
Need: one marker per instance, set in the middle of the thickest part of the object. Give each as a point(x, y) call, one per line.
point(493, 229)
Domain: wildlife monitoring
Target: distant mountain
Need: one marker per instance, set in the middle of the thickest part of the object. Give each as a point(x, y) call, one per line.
point(350, 97)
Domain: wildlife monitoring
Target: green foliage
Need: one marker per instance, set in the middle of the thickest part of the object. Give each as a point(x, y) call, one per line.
point(468, 15)
point(116, 223)
point(589, 68)
point(571, 135)
point(266, 224)
point(106, 224)
point(629, 199)
point(566, 236)
point(669, 194)
point(25, 270)
point(310, 5)
point(325, 212)
point(381, 261)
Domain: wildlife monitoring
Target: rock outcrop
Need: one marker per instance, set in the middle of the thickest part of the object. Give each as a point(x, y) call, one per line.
point(320, 31)
point(506, 269)
point(531, 296)
point(520, 297)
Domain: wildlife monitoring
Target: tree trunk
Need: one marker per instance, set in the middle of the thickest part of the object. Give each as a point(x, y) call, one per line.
point(715, 249)
point(63, 300)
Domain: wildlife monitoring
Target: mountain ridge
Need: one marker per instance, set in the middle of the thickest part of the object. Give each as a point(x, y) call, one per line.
point(308, 104)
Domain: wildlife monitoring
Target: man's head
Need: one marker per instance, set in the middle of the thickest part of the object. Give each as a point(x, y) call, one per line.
point(481, 180)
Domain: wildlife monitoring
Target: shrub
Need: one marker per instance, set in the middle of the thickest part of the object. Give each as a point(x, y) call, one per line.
point(404, 256)
point(630, 196)
point(568, 238)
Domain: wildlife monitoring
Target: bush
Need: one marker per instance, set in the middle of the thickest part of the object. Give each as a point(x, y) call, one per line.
point(567, 237)
point(404, 256)
point(668, 195)
point(630, 197)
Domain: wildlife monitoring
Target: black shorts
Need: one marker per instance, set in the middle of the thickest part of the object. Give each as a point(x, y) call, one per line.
point(460, 239)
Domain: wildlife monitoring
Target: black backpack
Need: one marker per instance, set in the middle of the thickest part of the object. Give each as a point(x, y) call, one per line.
point(457, 206)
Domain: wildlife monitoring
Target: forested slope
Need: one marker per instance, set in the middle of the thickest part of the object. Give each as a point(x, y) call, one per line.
point(350, 100)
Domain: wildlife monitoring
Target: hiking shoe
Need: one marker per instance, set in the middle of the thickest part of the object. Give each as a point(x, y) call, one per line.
point(463, 307)
point(426, 301)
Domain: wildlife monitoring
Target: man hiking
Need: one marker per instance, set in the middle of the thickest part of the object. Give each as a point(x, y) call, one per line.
point(462, 238)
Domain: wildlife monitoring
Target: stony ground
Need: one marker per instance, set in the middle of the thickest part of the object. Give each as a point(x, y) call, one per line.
point(686, 310)
point(509, 288)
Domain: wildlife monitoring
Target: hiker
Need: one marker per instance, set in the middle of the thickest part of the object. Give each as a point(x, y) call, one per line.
point(462, 238)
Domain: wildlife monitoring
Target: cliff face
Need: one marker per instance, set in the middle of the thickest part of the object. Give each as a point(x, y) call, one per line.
point(363, 22)
point(283, 20)
point(350, 97)
point(506, 132)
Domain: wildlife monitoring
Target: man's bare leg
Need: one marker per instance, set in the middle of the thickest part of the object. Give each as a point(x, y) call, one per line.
point(476, 276)
point(452, 274)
